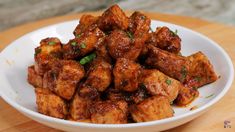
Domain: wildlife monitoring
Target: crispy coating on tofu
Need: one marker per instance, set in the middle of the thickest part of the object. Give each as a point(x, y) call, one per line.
point(102, 52)
point(139, 24)
point(126, 75)
point(117, 95)
point(186, 96)
point(99, 75)
point(84, 23)
point(165, 39)
point(86, 43)
point(139, 95)
point(109, 112)
point(201, 71)
point(80, 108)
point(123, 44)
point(158, 83)
point(50, 50)
point(63, 78)
point(153, 108)
point(88, 92)
point(33, 78)
point(113, 18)
point(50, 104)
point(170, 64)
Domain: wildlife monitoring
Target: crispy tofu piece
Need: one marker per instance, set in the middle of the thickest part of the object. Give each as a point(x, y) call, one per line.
point(201, 71)
point(113, 18)
point(126, 75)
point(102, 52)
point(165, 39)
point(170, 64)
point(139, 24)
point(122, 44)
point(109, 112)
point(50, 104)
point(186, 96)
point(50, 50)
point(79, 108)
point(117, 95)
point(158, 83)
point(99, 75)
point(33, 78)
point(139, 95)
point(153, 108)
point(63, 78)
point(88, 92)
point(86, 43)
point(85, 21)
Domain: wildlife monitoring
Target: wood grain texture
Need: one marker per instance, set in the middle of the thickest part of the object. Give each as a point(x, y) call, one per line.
point(213, 120)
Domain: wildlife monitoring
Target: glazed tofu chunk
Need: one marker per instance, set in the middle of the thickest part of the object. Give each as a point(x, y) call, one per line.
point(113, 18)
point(86, 43)
point(186, 96)
point(153, 108)
point(126, 75)
point(99, 75)
point(139, 95)
point(50, 50)
point(122, 44)
point(50, 104)
point(201, 71)
point(139, 24)
point(84, 23)
point(170, 64)
point(88, 92)
point(33, 78)
point(63, 78)
point(109, 112)
point(79, 108)
point(158, 83)
point(166, 39)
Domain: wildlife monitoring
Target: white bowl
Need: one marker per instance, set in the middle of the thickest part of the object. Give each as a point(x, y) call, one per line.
point(15, 90)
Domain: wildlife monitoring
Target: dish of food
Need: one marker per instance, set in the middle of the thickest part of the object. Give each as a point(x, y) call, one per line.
point(114, 72)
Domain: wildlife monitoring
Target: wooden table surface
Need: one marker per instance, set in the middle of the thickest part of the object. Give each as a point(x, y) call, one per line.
point(213, 120)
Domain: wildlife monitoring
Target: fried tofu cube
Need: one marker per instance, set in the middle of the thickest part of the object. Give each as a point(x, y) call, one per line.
point(84, 23)
point(158, 83)
point(166, 39)
point(50, 50)
point(173, 65)
point(139, 95)
point(109, 112)
point(33, 78)
point(50, 104)
point(113, 18)
point(64, 77)
point(201, 71)
point(99, 75)
point(126, 75)
point(86, 43)
point(186, 96)
point(88, 92)
point(153, 108)
point(79, 108)
point(139, 24)
point(122, 44)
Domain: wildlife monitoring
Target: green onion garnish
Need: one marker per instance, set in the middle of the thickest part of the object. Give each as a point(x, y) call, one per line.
point(51, 43)
point(74, 43)
point(87, 59)
point(83, 45)
point(168, 82)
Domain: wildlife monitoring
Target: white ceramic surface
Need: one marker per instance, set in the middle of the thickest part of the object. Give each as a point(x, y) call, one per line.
point(15, 90)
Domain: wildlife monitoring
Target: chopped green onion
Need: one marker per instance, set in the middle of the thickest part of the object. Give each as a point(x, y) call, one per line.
point(83, 45)
point(51, 43)
point(74, 43)
point(143, 17)
point(209, 96)
point(198, 79)
point(168, 82)
point(78, 35)
point(37, 51)
point(175, 32)
point(87, 59)
point(130, 35)
point(183, 72)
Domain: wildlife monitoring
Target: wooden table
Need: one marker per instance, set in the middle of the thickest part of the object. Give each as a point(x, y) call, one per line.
point(213, 120)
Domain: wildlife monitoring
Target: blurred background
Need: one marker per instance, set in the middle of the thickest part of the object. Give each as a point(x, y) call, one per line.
point(16, 12)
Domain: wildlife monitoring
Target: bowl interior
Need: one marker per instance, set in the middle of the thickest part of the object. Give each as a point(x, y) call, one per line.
point(19, 55)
